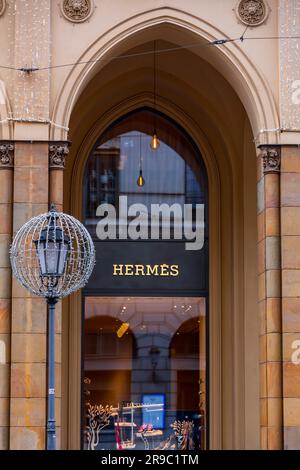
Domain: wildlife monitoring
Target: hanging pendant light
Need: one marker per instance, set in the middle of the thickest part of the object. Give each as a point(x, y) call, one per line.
point(140, 181)
point(154, 144)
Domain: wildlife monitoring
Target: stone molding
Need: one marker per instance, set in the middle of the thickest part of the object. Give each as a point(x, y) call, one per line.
point(7, 149)
point(77, 11)
point(271, 159)
point(58, 152)
point(252, 12)
point(2, 6)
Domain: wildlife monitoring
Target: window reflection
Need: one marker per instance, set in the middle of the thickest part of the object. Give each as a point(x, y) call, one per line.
point(144, 368)
point(144, 384)
point(172, 173)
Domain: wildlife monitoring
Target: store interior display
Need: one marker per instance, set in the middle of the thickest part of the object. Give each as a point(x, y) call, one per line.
point(129, 435)
point(144, 385)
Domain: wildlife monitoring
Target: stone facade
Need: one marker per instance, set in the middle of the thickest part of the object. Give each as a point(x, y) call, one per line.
point(278, 263)
point(41, 111)
point(290, 200)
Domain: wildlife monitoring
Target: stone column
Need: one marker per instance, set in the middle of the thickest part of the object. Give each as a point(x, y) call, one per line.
point(58, 152)
point(269, 267)
point(29, 326)
point(6, 185)
point(30, 93)
point(289, 27)
point(290, 231)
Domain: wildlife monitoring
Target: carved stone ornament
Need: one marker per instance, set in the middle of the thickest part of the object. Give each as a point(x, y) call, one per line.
point(58, 152)
point(6, 155)
point(2, 6)
point(252, 12)
point(271, 158)
point(77, 10)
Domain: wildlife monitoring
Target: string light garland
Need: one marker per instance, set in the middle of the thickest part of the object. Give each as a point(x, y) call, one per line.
point(289, 51)
point(216, 42)
point(29, 49)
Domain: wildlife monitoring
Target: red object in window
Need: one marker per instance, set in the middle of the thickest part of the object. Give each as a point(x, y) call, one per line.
point(118, 435)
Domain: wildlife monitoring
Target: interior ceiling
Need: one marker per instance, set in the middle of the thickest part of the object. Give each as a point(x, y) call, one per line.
point(183, 79)
point(115, 305)
point(145, 315)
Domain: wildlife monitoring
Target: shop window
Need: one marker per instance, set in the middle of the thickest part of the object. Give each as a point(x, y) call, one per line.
point(145, 328)
point(144, 388)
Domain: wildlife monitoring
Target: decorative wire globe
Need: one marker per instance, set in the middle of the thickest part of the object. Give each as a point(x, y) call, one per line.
point(52, 255)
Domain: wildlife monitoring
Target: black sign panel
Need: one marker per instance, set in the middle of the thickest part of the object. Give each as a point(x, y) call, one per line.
point(148, 268)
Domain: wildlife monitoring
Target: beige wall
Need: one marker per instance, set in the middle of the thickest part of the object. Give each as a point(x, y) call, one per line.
point(244, 64)
point(224, 96)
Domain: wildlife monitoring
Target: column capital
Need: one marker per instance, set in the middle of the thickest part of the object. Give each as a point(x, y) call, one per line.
point(271, 158)
point(7, 148)
point(58, 152)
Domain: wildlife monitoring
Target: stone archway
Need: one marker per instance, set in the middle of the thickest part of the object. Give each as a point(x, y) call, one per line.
point(211, 112)
point(236, 67)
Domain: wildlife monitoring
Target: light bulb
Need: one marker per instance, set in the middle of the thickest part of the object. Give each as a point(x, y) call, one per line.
point(154, 144)
point(140, 180)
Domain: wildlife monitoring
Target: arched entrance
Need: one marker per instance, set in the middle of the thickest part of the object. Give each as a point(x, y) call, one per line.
point(147, 210)
point(206, 106)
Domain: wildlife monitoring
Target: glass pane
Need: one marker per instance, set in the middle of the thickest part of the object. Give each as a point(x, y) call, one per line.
point(64, 248)
point(144, 373)
point(173, 174)
point(51, 255)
